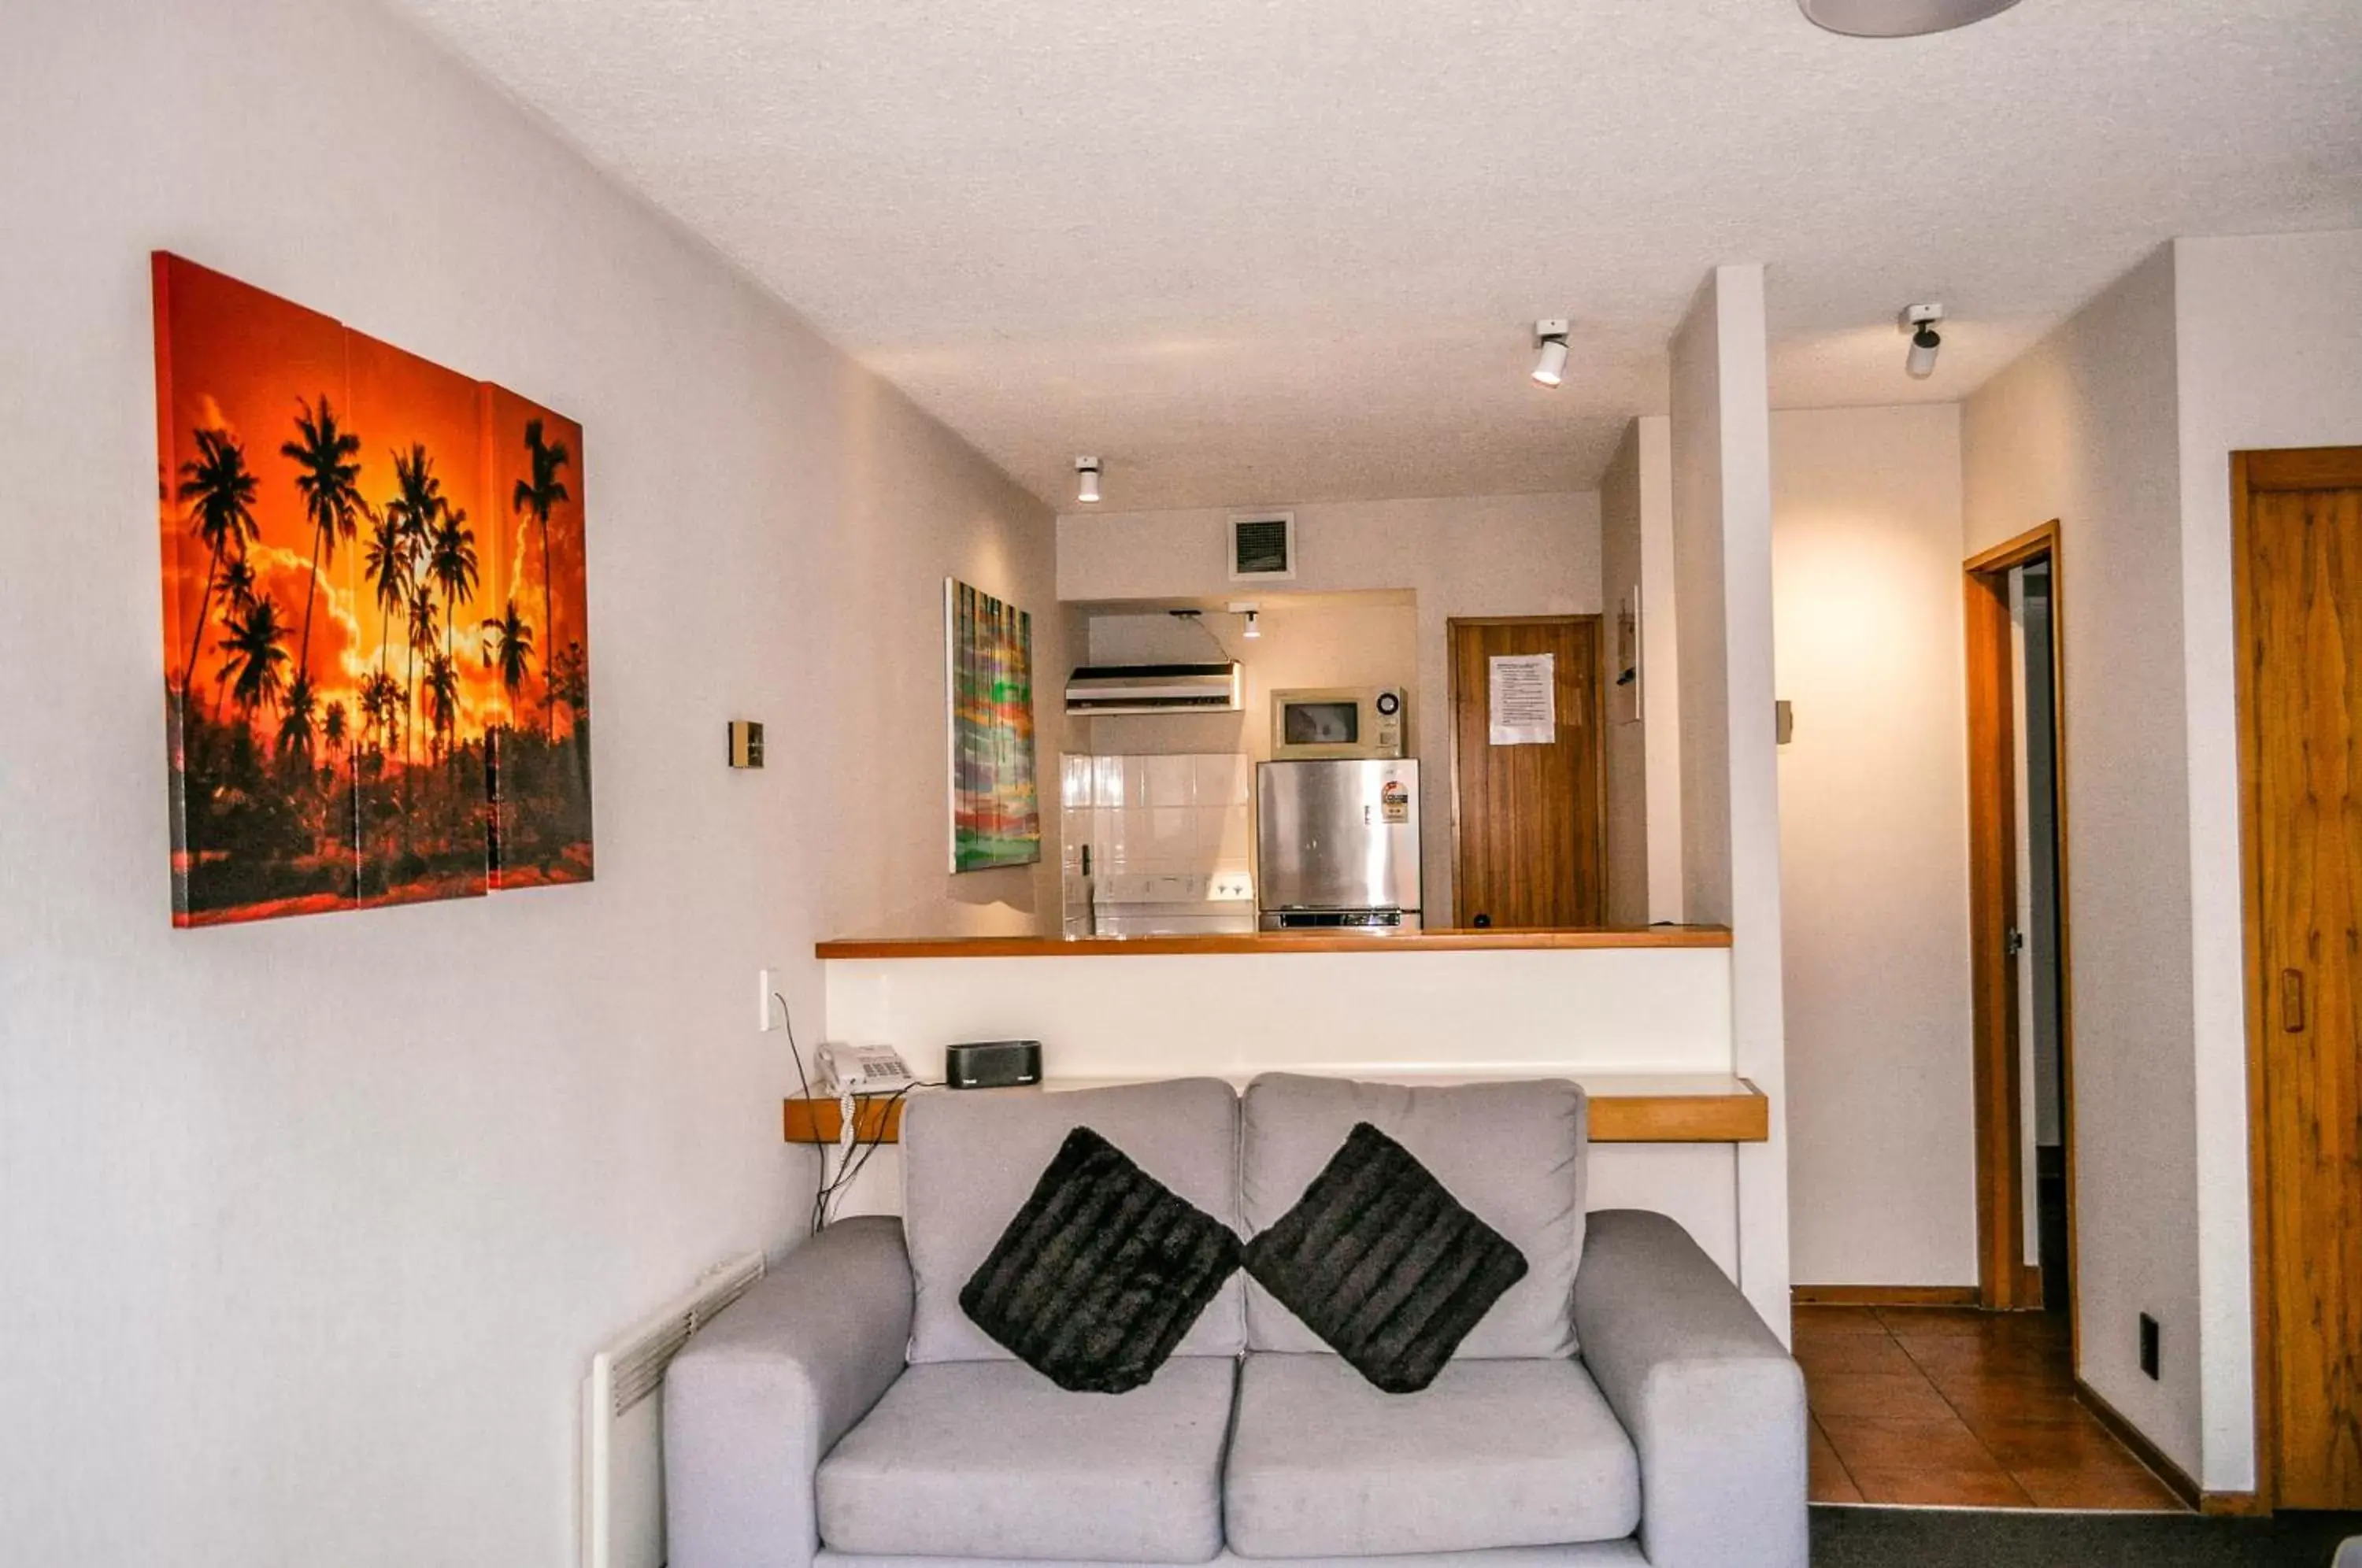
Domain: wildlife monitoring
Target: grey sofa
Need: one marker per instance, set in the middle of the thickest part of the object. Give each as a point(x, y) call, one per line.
point(1622, 1404)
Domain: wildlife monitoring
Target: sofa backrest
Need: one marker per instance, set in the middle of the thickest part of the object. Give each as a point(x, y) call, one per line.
point(1513, 1153)
point(970, 1160)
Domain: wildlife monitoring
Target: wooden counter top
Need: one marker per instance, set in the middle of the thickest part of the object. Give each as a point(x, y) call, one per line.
point(1625, 1109)
point(1269, 942)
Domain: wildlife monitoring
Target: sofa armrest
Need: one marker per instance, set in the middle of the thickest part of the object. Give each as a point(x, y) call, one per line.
point(756, 1400)
point(1713, 1401)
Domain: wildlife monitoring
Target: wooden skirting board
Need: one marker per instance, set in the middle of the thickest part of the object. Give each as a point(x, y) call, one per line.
point(1743, 1115)
point(2176, 1480)
point(1884, 1295)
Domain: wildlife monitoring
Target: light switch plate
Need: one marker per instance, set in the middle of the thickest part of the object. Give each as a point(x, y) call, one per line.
point(767, 1019)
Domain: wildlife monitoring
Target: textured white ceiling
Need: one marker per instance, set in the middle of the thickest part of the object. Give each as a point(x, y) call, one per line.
point(1261, 249)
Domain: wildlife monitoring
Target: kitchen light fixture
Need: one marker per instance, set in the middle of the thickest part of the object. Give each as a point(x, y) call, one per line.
point(1549, 336)
point(1087, 479)
point(1920, 321)
point(1898, 18)
point(1252, 630)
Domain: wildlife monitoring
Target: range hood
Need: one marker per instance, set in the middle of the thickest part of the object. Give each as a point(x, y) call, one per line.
point(1155, 689)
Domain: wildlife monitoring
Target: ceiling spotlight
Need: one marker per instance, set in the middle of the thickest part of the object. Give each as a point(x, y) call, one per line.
point(1549, 336)
point(1920, 321)
point(1252, 630)
point(1087, 478)
point(1899, 18)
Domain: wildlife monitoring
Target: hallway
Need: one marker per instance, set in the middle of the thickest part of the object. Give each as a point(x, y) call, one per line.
point(1953, 1407)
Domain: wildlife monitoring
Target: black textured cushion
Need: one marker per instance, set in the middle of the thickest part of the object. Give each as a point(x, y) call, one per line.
point(1383, 1263)
point(1102, 1273)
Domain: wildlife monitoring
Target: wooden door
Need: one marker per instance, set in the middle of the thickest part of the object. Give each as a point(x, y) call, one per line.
point(2300, 643)
point(1527, 820)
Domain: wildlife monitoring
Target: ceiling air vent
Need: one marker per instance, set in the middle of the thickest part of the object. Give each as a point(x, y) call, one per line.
point(1262, 548)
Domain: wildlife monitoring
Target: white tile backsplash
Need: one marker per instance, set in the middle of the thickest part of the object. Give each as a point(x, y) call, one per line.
point(1171, 781)
point(1224, 780)
point(1153, 815)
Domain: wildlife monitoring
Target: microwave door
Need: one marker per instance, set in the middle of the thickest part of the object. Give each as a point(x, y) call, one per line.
point(1325, 837)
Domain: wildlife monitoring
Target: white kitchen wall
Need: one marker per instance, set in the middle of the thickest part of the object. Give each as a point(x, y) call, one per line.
point(310, 1225)
point(1368, 639)
point(1873, 846)
point(1503, 554)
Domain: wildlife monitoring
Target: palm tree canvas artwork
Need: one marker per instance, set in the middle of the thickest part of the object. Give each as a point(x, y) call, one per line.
point(996, 818)
point(375, 604)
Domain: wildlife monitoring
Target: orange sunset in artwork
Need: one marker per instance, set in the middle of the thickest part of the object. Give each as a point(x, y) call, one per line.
point(377, 671)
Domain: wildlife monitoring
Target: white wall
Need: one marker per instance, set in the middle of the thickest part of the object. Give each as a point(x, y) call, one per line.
point(1579, 1013)
point(1505, 555)
point(1873, 846)
point(1365, 641)
point(1644, 757)
point(2082, 429)
point(310, 1225)
point(1730, 791)
point(2270, 335)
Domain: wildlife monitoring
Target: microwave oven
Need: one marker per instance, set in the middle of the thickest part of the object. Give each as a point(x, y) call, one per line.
point(1316, 724)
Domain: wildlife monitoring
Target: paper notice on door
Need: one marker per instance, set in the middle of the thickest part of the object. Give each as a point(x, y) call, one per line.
point(1524, 699)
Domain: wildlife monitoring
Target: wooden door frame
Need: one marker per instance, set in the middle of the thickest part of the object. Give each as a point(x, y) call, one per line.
point(2002, 1278)
point(2315, 468)
point(1598, 748)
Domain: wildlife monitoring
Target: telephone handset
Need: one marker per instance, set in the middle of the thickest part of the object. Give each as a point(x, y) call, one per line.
point(862, 1069)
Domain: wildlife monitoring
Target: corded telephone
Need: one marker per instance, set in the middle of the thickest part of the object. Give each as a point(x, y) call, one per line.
point(862, 1069)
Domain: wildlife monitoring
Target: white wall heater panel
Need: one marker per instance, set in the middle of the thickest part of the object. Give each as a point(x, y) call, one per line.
point(623, 1422)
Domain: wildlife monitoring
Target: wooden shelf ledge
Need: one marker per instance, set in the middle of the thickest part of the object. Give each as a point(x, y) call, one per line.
point(1670, 1109)
point(1489, 941)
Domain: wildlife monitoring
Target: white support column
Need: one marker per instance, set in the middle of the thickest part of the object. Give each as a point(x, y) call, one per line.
point(1721, 443)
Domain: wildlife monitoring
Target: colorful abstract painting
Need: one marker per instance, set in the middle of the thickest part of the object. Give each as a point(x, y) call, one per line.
point(377, 672)
point(996, 820)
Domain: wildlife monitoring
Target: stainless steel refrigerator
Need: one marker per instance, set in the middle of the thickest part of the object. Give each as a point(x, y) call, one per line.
point(1337, 846)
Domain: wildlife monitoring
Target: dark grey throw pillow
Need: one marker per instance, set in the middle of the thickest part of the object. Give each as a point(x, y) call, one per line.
point(1383, 1263)
point(1102, 1273)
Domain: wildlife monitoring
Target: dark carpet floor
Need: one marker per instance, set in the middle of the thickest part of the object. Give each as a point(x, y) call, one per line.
point(1967, 1538)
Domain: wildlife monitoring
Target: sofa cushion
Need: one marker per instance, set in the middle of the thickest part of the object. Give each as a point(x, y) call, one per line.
point(1102, 1273)
point(1512, 1153)
point(1494, 1453)
point(1383, 1263)
point(986, 1458)
point(971, 1158)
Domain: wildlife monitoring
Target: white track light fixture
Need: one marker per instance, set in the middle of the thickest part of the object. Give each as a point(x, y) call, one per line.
point(1549, 336)
point(1252, 631)
point(1920, 321)
point(1087, 479)
point(1899, 18)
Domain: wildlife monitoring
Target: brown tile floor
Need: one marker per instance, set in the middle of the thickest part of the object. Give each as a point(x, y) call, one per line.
point(1958, 1409)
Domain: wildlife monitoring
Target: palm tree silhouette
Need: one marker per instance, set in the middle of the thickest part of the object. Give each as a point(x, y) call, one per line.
point(569, 674)
point(238, 599)
point(388, 574)
point(298, 719)
point(333, 731)
point(328, 473)
point(255, 656)
point(451, 565)
point(538, 495)
point(423, 630)
point(218, 489)
point(442, 700)
point(414, 511)
point(508, 644)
